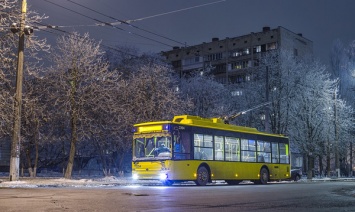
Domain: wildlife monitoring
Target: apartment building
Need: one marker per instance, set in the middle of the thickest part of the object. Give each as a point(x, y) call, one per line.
point(230, 59)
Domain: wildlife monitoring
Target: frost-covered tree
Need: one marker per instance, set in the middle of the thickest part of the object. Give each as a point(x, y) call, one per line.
point(267, 91)
point(10, 13)
point(209, 98)
point(150, 90)
point(153, 92)
point(81, 82)
point(7, 12)
point(292, 94)
point(313, 92)
point(245, 101)
point(33, 118)
point(10, 37)
point(350, 53)
point(274, 77)
point(342, 67)
point(124, 58)
point(346, 128)
point(147, 92)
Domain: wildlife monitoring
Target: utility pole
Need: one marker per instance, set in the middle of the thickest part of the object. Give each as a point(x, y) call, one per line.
point(15, 143)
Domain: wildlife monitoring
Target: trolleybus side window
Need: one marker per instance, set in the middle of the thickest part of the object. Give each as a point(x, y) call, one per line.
point(264, 151)
point(248, 150)
point(219, 148)
point(284, 157)
point(139, 148)
point(203, 147)
point(182, 145)
point(177, 142)
point(186, 143)
point(232, 149)
point(275, 152)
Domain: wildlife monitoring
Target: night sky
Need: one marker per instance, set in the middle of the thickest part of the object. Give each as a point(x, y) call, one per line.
point(321, 21)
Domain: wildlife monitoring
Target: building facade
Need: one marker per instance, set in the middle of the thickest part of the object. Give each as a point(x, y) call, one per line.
point(230, 59)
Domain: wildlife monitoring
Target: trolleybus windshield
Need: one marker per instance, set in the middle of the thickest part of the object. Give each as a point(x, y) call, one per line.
point(152, 147)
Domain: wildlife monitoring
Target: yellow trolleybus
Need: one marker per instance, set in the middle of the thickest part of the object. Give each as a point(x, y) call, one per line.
point(191, 148)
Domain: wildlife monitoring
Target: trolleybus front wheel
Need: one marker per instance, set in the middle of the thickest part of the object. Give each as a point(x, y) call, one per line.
point(202, 176)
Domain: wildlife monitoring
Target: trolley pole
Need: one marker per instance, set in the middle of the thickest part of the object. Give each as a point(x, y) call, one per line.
point(15, 143)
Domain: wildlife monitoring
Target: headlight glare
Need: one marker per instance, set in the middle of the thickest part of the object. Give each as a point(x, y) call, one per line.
point(163, 176)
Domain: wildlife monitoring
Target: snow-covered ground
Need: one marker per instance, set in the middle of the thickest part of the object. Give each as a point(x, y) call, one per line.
point(62, 182)
point(54, 180)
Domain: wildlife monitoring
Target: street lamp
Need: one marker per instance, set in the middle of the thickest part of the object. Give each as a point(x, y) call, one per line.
point(337, 164)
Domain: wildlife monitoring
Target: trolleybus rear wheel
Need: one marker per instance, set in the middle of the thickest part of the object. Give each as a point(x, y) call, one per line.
point(202, 176)
point(264, 176)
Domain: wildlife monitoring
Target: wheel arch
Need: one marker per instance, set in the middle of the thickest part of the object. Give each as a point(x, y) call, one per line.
point(267, 168)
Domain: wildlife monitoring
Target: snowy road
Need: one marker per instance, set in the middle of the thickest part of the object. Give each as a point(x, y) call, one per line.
point(319, 196)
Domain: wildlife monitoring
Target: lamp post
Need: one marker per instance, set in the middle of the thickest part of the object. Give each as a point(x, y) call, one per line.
point(15, 142)
point(267, 112)
point(337, 164)
point(351, 159)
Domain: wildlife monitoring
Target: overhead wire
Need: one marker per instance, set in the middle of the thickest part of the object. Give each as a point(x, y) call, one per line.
point(189, 8)
point(47, 27)
point(118, 21)
point(66, 32)
point(108, 24)
point(128, 22)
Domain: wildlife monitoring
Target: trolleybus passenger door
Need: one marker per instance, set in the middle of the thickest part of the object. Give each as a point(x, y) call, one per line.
point(275, 155)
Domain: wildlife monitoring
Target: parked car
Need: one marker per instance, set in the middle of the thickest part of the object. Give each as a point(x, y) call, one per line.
point(296, 174)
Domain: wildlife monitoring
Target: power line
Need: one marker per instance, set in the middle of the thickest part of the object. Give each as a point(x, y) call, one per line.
point(124, 22)
point(128, 22)
point(47, 26)
point(66, 32)
point(175, 11)
point(118, 21)
point(101, 44)
point(43, 28)
point(107, 24)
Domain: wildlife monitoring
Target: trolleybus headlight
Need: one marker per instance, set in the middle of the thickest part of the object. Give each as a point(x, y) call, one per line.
point(135, 176)
point(163, 176)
